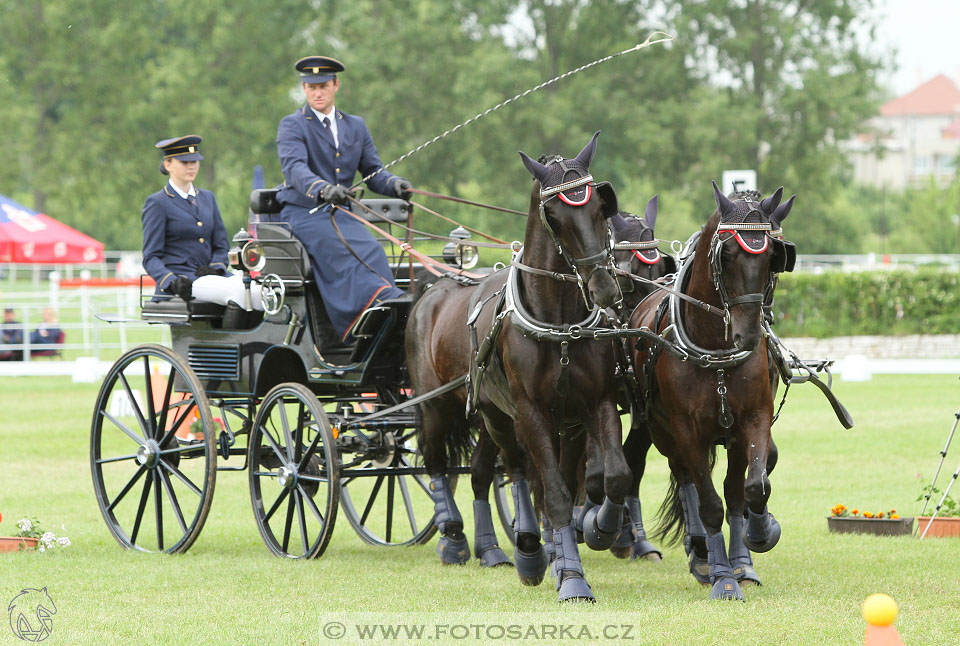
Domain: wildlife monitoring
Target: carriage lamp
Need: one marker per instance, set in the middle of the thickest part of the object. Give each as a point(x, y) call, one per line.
point(460, 254)
point(246, 254)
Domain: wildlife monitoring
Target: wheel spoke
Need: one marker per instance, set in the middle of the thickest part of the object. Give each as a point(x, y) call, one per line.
point(123, 492)
point(151, 410)
point(276, 505)
point(119, 458)
point(302, 520)
point(301, 465)
point(287, 525)
point(280, 453)
point(390, 489)
point(408, 505)
point(416, 478)
point(178, 421)
point(371, 500)
point(285, 424)
point(123, 427)
point(158, 506)
point(140, 509)
point(136, 409)
point(313, 505)
point(180, 476)
point(168, 486)
point(166, 398)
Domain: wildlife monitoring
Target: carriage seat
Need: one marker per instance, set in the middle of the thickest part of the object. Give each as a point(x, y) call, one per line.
point(285, 255)
point(176, 310)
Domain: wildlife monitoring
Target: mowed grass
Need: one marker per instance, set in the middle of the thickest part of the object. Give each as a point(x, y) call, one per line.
point(229, 590)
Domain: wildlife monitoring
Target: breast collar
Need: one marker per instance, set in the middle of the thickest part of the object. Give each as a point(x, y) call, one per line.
point(528, 325)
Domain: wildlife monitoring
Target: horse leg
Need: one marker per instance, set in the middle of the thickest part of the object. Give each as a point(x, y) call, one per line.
point(557, 502)
point(635, 451)
point(452, 547)
point(733, 489)
point(593, 485)
point(482, 465)
point(529, 556)
point(601, 525)
point(695, 535)
point(725, 586)
point(762, 531)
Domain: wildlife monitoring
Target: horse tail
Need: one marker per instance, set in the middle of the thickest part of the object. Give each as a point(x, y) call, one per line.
point(459, 443)
point(672, 522)
point(670, 516)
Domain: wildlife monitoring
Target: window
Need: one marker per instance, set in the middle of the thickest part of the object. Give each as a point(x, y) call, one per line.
point(946, 165)
point(919, 164)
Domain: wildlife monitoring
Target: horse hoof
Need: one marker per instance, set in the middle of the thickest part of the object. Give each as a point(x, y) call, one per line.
point(745, 574)
point(453, 552)
point(644, 549)
point(769, 542)
point(621, 552)
point(726, 589)
point(531, 566)
point(593, 536)
point(494, 557)
point(575, 588)
point(700, 569)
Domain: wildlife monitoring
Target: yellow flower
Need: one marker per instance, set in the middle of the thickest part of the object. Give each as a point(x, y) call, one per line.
point(894, 516)
point(868, 514)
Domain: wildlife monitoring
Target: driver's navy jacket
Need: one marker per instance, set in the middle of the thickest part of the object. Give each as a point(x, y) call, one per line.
point(178, 238)
point(351, 276)
point(310, 160)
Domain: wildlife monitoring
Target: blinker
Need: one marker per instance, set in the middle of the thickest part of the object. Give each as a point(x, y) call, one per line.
point(784, 256)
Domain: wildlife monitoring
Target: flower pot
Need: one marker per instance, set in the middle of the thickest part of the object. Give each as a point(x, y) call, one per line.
point(879, 526)
point(940, 527)
point(16, 543)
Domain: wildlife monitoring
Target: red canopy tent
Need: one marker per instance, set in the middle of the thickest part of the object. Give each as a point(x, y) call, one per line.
point(30, 237)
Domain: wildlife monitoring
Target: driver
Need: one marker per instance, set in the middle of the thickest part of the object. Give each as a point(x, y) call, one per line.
point(321, 149)
point(184, 239)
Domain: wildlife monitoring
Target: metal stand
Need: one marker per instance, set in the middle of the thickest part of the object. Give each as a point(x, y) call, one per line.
point(953, 480)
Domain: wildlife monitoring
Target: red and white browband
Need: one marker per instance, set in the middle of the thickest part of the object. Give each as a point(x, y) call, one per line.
point(736, 228)
point(566, 186)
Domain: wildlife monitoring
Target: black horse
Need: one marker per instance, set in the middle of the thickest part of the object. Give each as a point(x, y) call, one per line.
point(539, 383)
point(709, 382)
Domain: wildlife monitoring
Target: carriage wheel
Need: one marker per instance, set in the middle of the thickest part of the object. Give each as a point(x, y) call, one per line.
point(383, 490)
point(294, 474)
point(153, 491)
point(503, 497)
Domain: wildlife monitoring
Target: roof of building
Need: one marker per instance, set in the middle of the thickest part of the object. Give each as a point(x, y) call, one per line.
point(938, 96)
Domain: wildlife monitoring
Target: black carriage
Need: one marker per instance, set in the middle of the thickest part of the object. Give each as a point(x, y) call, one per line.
point(317, 425)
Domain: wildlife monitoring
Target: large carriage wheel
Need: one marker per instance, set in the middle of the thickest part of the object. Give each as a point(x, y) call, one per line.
point(383, 490)
point(154, 492)
point(503, 497)
point(294, 474)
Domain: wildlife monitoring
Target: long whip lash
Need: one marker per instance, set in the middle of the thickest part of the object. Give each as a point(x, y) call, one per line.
point(662, 37)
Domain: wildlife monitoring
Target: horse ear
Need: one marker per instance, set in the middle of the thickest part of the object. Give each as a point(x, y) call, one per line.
point(781, 212)
point(536, 169)
point(768, 205)
point(586, 155)
point(650, 213)
point(617, 222)
point(723, 202)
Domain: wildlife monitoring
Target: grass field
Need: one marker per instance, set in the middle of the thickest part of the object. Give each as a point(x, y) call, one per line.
point(228, 590)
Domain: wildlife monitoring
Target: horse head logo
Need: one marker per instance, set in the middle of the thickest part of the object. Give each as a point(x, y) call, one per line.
point(31, 614)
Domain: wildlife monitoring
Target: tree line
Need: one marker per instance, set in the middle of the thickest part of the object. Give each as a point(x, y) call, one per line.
point(88, 86)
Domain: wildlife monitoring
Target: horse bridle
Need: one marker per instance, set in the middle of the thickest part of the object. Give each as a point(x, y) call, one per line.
point(603, 258)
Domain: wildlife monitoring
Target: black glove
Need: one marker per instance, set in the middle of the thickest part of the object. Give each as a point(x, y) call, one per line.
point(207, 270)
point(402, 189)
point(182, 287)
point(334, 194)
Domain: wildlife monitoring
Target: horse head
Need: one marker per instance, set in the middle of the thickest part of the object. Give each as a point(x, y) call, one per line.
point(573, 210)
point(637, 252)
point(745, 254)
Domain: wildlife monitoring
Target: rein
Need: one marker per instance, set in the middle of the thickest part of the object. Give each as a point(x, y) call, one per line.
point(461, 200)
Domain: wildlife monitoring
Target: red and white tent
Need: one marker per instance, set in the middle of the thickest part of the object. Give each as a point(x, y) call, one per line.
point(30, 237)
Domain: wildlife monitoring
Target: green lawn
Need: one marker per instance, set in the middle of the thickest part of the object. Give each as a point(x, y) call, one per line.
point(228, 589)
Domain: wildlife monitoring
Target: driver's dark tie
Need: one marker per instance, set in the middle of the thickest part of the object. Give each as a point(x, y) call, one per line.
point(327, 132)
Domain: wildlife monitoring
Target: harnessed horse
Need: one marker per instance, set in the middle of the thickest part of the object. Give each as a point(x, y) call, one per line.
point(535, 380)
point(713, 384)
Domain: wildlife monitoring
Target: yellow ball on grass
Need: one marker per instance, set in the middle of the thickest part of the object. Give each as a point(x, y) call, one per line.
point(879, 609)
